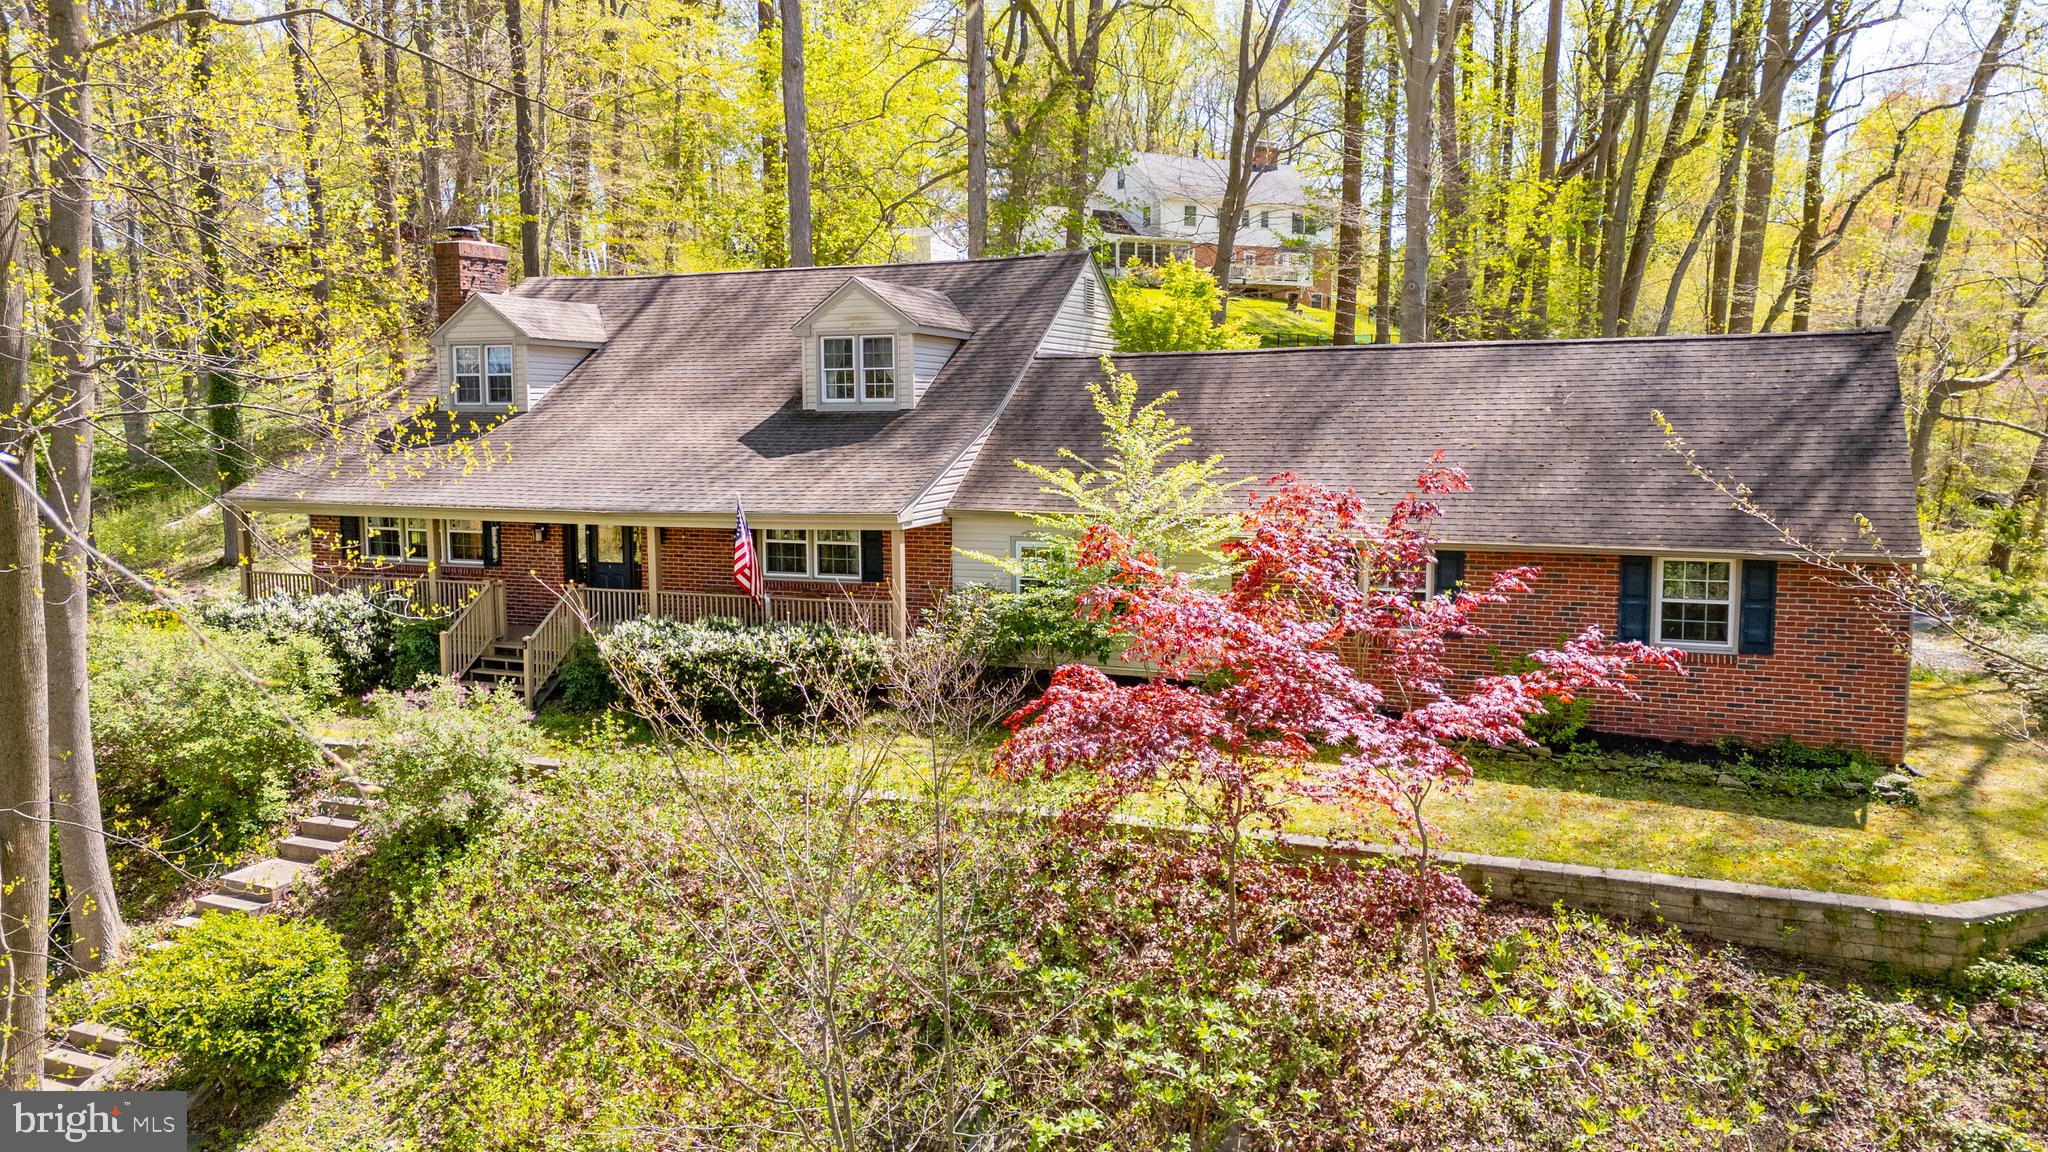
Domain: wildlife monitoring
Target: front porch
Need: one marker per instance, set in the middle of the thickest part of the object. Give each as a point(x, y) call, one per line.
point(480, 643)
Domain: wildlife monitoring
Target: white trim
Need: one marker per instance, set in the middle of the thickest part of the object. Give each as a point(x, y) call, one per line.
point(1734, 603)
point(403, 526)
point(1019, 545)
point(860, 398)
point(447, 542)
point(483, 376)
point(810, 543)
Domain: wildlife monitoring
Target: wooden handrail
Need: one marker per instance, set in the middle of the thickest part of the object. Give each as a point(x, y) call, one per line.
point(549, 643)
point(475, 628)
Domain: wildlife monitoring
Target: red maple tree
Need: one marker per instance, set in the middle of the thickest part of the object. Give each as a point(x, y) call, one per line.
point(1257, 681)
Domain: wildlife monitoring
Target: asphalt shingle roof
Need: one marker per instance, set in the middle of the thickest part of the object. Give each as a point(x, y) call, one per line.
point(550, 321)
point(921, 306)
point(694, 401)
point(1558, 437)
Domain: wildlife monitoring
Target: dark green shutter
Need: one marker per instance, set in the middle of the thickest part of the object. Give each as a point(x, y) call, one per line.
point(352, 537)
point(872, 564)
point(1759, 606)
point(1450, 571)
point(1632, 615)
point(572, 572)
point(491, 529)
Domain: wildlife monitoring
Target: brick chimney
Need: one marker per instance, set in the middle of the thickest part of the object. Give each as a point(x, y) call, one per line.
point(1265, 158)
point(464, 265)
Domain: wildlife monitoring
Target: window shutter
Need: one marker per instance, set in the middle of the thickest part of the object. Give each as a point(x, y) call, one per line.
point(491, 529)
point(352, 536)
point(572, 572)
point(1759, 606)
point(871, 563)
point(1450, 571)
point(1632, 617)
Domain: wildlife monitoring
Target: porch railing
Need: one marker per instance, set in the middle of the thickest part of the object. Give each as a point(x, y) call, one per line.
point(607, 608)
point(425, 595)
point(474, 629)
point(869, 615)
point(549, 643)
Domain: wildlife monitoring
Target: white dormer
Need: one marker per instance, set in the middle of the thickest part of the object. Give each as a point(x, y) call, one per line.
point(500, 352)
point(874, 346)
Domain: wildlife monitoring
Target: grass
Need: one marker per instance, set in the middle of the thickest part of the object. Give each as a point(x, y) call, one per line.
point(1275, 325)
point(1981, 828)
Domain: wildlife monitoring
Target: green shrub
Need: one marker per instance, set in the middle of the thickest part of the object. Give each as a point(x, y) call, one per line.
point(446, 753)
point(185, 740)
point(1793, 769)
point(1558, 726)
point(375, 643)
point(725, 670)
point(245, 999)
point(585, 681)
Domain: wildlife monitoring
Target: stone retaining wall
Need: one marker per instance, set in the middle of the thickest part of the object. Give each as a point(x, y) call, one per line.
point(1857, 931)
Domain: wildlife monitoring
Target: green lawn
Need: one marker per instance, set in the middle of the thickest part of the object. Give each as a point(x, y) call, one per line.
point(1981, 828)
point(1273, 323)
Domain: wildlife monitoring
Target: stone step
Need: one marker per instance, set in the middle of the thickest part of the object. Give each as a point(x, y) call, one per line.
point(99, 1039)
point(327, 827)
point(185, 922)
point(363, 786)
point(307, 849)
point(347, 807)
point(222, 902)
point(68, 1065)
point(265, 880)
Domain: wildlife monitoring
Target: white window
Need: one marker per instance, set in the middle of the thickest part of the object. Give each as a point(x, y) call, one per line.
point(1022, 550)
point(857, 369)
point(787, 552)
point(482, 373)
point(394, 538)
point(838, 553)
point(878, 367)
point(1187, 215)
point(1696, 603)
point(1244, 218)
point(468, 366)
point(1265, 218)
point(498, 373)
point(463, 542)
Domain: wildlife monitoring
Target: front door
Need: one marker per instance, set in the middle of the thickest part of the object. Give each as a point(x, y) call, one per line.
point(608, 556)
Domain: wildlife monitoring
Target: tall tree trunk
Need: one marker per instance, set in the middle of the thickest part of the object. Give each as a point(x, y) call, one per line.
point(1644, 237)
point(1988, 64)
point(1805, 249)
point(1614, 231)
point(114, 313)
point(24, 704)
point(98, 938)
point(1763, 166)
point(299, 45)
point(1351, 208)
point(433, 127)
point(1383, 258)
point(774, 177)
point(220, 382)
point(1087, 62)
point(1237, 157)
point(525, 150)
point(796, 138)
point(379, 113)
point(1457, 181)
point(1421, 58)
point(977, 129)
point(1538, 275)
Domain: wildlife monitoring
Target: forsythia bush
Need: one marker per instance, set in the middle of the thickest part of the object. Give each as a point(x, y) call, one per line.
point(183, 735)
point(248, 999)
point(447, 752)
point(724, 669)
point(374, 646)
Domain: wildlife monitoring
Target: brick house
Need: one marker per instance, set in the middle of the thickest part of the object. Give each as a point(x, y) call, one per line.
point(577, 446)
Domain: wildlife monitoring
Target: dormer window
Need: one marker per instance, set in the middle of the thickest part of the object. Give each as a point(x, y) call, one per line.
point(858, 369)
point(482, 373)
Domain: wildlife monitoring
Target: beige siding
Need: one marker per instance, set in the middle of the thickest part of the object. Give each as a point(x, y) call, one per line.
point(544, 368)
point(990, 533)
point(930, 355)
point(930, 505)
point(856, 313)
point(1081, 327)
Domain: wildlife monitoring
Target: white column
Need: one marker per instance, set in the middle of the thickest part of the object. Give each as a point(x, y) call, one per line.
point(653, 570)
point(899, 589)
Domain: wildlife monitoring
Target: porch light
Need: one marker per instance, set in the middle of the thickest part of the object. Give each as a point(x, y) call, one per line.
point(540, 532)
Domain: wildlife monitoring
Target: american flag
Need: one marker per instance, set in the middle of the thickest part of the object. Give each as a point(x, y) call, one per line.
point(746, 567)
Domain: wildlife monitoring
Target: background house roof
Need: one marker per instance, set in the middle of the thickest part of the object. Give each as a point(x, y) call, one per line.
point(1557, 436)
point(549, 321)
point(694, 401)
point(1201, 179)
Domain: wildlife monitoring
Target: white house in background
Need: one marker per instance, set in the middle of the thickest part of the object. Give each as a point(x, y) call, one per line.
point(1156, 206)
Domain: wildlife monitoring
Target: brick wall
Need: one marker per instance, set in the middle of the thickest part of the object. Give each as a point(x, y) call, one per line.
point(700, 560)
point(928, 566)
point(1838, 674)
point(531, 569)
point(462, 268)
